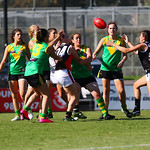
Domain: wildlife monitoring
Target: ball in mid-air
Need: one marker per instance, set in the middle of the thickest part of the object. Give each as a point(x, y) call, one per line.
point(99, 23)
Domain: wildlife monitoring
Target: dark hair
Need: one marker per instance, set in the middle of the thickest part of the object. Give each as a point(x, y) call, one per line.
point(146, 34)
point(112, 23)
point(13, 34)
point(41, 34)
point(72, 36)
point(51, 29)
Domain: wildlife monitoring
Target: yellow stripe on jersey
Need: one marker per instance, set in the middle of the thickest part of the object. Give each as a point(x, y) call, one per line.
point(14, 54)
point(41, 80)
point(112, 50)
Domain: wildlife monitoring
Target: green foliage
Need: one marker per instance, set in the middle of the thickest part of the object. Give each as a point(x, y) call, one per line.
point(70, 3)
point(147, 3)
point(131, 77)
point(81, 134)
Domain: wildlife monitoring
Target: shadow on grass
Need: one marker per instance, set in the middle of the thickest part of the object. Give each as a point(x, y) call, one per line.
point(91, 120)
point(132, 119)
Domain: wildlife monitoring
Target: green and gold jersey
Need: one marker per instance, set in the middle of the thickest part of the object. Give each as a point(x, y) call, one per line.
point(111, 56)
point(38, 59)
point(47, 66)
point(17, 59)
point(77, 70)
point(33, 41)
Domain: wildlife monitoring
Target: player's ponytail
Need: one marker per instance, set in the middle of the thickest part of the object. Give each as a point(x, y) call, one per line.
point(41, 35)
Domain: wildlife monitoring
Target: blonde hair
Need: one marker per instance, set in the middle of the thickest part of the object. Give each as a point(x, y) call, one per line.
point(31, 30)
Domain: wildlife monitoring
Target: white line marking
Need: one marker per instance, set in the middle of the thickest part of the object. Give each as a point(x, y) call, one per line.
point(112, 147)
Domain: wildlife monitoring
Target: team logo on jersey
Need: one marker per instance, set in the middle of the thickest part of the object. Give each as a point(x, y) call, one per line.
point(23, 69)
point(33, 59)
point(21, 52)
point(12, 51)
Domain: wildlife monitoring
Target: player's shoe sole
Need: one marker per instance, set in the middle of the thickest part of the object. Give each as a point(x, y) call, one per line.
point(16, 119)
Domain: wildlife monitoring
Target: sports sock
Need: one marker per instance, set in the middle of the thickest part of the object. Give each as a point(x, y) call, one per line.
point(17, 112)
point(26, 108)
point(124, 107)
point(76, 109)
point(101, 105)
point(68, 114)
point(43, 115)
point(40, 114)
point(137, 103)
point(49, 111)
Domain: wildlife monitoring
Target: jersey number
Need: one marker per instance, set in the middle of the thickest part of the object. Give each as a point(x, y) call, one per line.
point(36, 51)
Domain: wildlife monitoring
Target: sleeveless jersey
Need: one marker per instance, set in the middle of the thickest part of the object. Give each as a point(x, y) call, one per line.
point(111, 56)
point(47, 67)
point(17, 59)
point(77, 70)
point(38, 59)
point(144, 57)
point(63, 51)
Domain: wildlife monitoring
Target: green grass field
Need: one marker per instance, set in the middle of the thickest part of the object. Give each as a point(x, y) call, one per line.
point(89, 134)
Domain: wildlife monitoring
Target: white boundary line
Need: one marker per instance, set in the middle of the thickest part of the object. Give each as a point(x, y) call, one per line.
point(112, 147)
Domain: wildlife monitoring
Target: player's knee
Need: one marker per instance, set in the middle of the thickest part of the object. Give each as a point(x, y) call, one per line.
point(121, 91)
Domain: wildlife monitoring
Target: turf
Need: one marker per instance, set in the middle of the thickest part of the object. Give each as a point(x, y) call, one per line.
point(121, 133)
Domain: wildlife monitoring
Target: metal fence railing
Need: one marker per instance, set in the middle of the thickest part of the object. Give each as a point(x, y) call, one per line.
point(130, 20)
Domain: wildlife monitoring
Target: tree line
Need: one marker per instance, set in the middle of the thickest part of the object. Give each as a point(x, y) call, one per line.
point(73, 3)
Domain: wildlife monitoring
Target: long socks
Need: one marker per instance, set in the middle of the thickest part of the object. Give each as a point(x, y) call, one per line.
point(101, 105)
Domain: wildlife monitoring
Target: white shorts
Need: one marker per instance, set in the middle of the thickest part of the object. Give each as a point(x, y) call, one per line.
point(148, 77)
point(62, 77)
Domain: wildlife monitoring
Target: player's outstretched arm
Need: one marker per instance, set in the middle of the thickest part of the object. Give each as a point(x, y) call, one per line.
point(4, 60)
point(98, 48)
point(127, 50)
point(51, 51)
point(77, 58)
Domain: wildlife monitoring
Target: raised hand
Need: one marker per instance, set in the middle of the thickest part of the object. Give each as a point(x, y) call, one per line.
point(125, 38)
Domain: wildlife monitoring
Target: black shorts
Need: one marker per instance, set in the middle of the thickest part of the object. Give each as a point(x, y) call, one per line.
point(46, 75)
point(111, 75)
point(84, 81)
point(12, 77)
point(35, 80)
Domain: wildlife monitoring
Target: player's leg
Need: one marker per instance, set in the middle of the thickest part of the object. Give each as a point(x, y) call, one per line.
point(76, 111)
point(137, 94)
point(122, 96)
point(49, 111)
point(62, 93)
point(45, 93)
point(22, 84)
point(94, 90)
point(148, 82)
point(13, 86)
point(29, 92)
point(71, 90)
point(106, 91)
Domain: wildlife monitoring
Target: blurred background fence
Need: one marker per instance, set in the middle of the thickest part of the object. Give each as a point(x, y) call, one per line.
point(130, 20)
